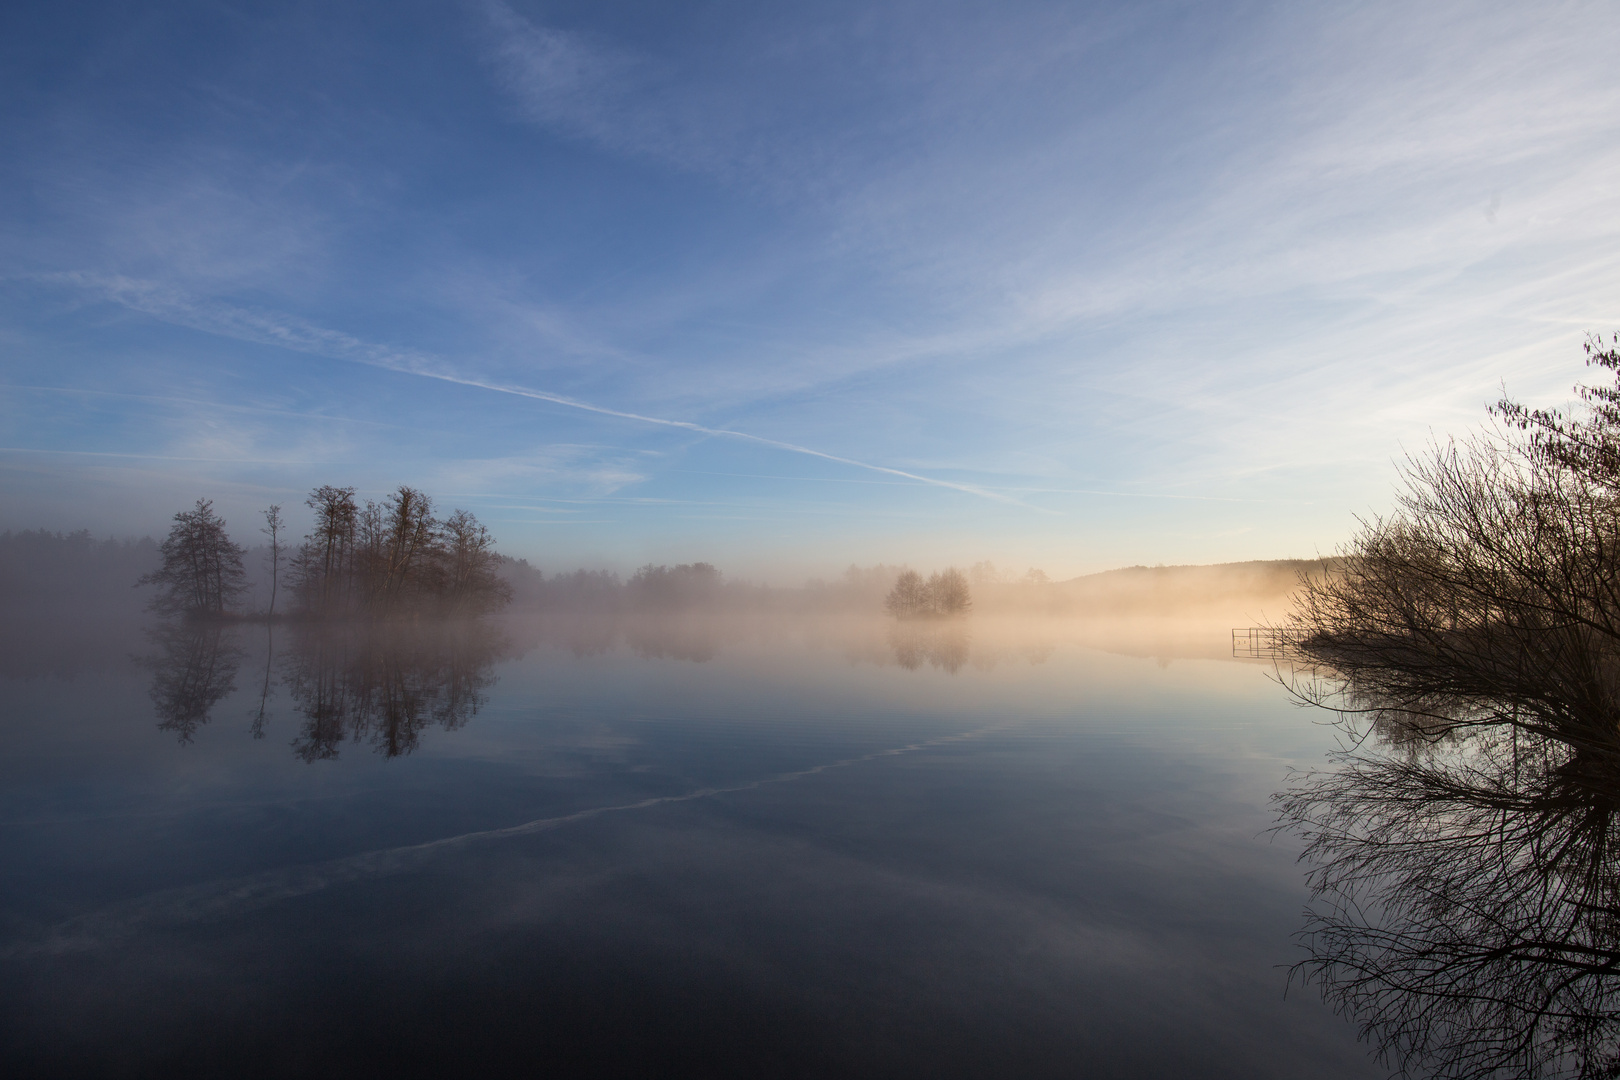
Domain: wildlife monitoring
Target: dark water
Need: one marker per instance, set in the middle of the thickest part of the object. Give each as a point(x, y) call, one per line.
point(678, 848)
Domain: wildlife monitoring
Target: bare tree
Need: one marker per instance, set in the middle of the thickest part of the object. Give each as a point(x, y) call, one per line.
point(202, 574)
point(326, 557)
point(908, 597)
point(1467, 884)
point(394, 559)
point(469, 563)
point(412, 535)
point(1492, 596)
point(944, 593)
point(948, 592)
point(272, 528)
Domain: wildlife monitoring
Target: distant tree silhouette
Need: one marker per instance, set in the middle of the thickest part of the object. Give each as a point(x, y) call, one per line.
point(944, 593)
point(398, 542)
point(394, 559)
point(201, 574)
point(273, 526)
point(597, 589)
point(49, 572)
point(469, 566)
point(673, 586)
point(324, 561)
point(908, 597)
point(948, 592)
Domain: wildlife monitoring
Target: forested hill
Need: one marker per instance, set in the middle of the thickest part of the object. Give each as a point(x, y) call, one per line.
point(1230, 589)
point(1169, 588)
point(68, 601)
point(72, 573)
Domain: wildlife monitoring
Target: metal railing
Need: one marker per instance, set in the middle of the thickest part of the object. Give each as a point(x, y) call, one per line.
point(1264, 642)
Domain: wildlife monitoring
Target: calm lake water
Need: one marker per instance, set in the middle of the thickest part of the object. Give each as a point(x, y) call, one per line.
point(691, 847)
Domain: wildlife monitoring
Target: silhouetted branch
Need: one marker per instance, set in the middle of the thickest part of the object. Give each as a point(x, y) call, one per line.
point(1466, 888)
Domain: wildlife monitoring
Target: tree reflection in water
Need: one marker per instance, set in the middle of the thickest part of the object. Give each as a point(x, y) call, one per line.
point(943, 644)
point(386, 684)
point(1467, 907)
point(1466, 897)
point(382, 684)
point(193, 668)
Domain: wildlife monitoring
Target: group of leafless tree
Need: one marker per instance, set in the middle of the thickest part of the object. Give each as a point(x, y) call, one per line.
point(1466, 849)
point(945, 592)
point(386, 559)
point(394, 557)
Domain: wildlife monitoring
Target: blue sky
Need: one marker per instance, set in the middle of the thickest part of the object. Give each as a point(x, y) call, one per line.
point(786, 286)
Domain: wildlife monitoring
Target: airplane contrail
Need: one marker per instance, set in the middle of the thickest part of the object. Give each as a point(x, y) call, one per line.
point(272, 328)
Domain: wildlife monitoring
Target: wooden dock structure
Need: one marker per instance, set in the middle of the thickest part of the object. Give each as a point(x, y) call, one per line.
point(1263, 642)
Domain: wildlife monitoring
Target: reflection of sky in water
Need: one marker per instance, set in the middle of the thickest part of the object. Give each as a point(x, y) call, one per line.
point(830, 851)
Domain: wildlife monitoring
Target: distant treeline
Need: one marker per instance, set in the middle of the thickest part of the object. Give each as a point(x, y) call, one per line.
point(377, 560)
point(944, 593)
point(395, 558)
point(68, 571)
point(392, 558)
point(1172, 590)
point(66, 605)
point(651, 588)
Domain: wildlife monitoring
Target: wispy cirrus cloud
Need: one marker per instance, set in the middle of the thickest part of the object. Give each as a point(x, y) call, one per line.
point(560, 78)
point(592, 89)
point(1040, 253)
point(273, 328)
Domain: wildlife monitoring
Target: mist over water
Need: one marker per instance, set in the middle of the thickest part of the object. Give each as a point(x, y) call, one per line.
point(720, 839)
point(597, 496)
